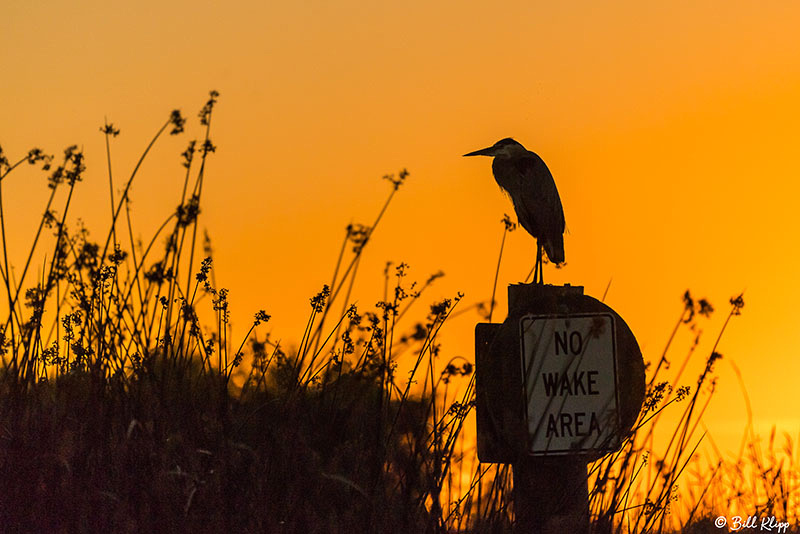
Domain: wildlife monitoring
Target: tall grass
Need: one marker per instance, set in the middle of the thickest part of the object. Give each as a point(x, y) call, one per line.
point(121, 411)
point(124, 405)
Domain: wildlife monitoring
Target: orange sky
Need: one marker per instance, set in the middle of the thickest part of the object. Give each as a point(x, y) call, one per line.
point(671, 130)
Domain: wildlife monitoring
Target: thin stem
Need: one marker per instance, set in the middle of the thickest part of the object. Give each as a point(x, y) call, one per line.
point(497, 272)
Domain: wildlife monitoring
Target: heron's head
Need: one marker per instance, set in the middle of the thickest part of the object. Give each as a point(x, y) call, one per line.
point(504, 148)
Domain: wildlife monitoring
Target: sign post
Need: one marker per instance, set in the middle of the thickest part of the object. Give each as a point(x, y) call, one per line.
point(558, 384)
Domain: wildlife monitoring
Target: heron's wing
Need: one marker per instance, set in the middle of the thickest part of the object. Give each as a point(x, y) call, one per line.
point(540, 204)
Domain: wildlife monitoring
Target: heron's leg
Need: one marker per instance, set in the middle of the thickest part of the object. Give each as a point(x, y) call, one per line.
point(537, 276)
point(541, 265)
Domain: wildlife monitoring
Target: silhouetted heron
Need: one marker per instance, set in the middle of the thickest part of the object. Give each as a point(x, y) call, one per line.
point(527, 180)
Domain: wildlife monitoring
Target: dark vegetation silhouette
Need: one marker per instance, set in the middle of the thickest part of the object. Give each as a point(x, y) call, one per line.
point(126, 407)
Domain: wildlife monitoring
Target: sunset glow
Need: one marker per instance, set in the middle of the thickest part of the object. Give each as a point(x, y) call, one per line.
point(671, 130)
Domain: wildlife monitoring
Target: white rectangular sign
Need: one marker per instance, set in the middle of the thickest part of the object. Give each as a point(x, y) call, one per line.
point(569, 375)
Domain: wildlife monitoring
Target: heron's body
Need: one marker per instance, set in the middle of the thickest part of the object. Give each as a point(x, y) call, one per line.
point(527, 180)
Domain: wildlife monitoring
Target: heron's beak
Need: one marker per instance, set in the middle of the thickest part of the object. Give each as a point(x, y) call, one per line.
point(481, 152)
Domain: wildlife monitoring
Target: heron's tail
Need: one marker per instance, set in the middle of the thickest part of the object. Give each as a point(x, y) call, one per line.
point(555, 248)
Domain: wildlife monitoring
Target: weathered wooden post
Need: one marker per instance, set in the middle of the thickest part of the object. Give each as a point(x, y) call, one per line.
point(558, 384)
